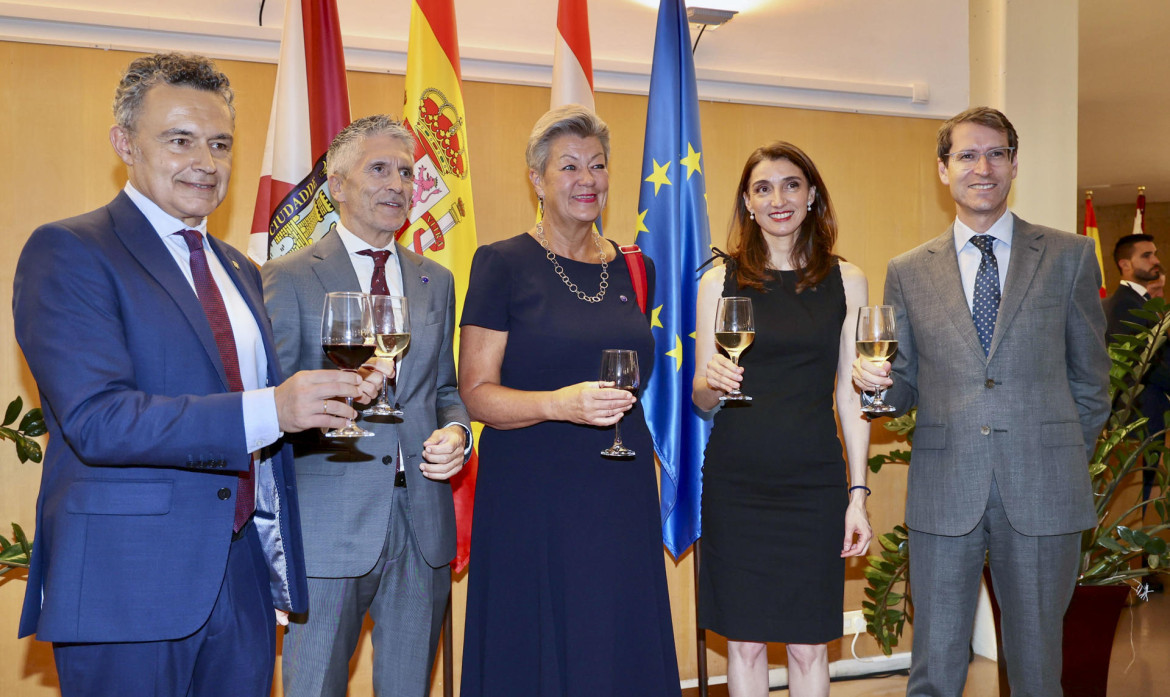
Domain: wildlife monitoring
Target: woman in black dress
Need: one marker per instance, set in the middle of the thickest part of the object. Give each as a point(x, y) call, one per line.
point(567, 591)
point(778, 514)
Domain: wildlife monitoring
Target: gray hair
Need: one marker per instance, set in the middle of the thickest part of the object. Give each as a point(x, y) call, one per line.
point(346, 146)
point(178, 69)
point(568, 120)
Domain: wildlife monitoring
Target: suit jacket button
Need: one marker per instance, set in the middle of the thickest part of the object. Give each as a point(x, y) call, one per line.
point(224, 494)
point(985, 430)
point(989, 384)
point(387, 460)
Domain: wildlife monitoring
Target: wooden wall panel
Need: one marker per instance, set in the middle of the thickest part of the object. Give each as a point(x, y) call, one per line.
point(55, 106)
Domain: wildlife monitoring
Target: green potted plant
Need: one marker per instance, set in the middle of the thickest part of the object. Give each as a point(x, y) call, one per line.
point(15, 554)
point(1118, 551)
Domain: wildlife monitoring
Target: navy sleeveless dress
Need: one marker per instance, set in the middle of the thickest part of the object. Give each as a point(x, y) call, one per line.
point(567, 590)
point(774, 478)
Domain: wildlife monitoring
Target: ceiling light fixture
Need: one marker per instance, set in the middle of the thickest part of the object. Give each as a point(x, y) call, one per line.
point(709, 17)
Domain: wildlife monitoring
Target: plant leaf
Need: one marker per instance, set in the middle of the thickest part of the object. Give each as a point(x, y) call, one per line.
point(33, 423)
point(13, 410)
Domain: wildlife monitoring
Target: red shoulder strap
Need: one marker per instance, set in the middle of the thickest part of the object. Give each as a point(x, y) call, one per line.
point(637, 265)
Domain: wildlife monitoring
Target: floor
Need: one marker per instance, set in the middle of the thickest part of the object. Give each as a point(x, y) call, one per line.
point(1140, 666)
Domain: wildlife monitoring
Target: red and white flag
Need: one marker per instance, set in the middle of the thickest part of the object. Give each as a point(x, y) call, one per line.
point(572, 81)
point(1139, 215)
point(311, 105)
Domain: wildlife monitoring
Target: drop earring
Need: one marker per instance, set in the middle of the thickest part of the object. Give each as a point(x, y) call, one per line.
point(540, 207)
point(809, 206)
point(752, 215)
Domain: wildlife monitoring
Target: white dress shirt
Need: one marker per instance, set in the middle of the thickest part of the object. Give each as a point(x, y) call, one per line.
point(261, 425)
point(970, 256)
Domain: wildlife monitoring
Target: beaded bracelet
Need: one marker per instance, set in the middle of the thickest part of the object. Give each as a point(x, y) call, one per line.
point(860, 486)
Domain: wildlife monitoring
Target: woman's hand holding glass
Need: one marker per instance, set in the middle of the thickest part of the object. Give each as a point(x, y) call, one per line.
point(723, 375)
point(592, 404)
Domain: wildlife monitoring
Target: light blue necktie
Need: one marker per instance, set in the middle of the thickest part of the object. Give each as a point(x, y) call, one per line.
point(985, 304)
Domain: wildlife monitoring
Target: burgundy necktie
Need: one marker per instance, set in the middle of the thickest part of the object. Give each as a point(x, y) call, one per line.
point(225, 341)
point(378, 280)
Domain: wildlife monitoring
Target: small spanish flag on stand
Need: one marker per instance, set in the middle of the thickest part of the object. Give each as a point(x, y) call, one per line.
point(1090, 231)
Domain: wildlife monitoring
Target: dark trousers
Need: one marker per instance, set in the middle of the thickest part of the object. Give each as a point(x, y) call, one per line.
point(233, 653)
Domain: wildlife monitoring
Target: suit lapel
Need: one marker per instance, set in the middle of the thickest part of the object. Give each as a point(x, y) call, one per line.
point(1027, 248)
point(332, 265)
point(148, 248)
point(948, 286)
point(417, 292)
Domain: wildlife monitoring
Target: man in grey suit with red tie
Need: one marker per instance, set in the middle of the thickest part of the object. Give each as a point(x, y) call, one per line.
point(378, 514)
point(1001, 347)
point(167, 527)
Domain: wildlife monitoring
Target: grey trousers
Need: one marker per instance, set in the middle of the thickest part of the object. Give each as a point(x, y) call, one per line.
point(1034, 579)
point(406, 599)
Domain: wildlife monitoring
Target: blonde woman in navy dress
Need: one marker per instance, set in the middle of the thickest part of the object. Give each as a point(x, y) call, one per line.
point(567, 590)
point(779, 517)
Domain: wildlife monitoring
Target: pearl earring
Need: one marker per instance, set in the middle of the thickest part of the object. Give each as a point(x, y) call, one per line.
point(752, 215)
point(809, 206)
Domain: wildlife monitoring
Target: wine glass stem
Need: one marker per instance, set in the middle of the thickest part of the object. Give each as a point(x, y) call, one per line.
point(617, 434)
point(383, 395)
point(349, 403)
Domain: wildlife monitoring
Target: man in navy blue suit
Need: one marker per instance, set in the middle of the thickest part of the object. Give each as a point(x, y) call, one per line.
point(167, 523)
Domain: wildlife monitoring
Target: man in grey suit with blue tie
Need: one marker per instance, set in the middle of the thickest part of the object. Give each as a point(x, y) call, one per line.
point(377, 512)
point(1001, 348)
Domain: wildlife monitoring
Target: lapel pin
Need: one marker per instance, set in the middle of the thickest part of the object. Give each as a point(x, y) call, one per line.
point(236, 264)
point(624, 298)
point(425, 279)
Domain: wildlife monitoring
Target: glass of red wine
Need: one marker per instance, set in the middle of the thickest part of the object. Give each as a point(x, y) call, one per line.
point(347, 336)
point(619, 369)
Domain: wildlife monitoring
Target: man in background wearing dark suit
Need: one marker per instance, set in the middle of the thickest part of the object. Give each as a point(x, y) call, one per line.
point(1136, 257)
point(167, 523)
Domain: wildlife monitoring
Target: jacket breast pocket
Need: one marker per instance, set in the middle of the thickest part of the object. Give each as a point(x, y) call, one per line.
point(119, 497)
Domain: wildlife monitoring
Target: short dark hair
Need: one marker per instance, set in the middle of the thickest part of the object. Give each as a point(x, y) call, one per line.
point(1124, 247)
point(983, 116)
point(178, 69)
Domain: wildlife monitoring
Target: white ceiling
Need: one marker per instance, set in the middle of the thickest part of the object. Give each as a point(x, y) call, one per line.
point(853, 55)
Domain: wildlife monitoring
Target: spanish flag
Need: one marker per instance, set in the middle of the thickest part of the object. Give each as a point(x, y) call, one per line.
point(1090, 231)
point(442, 218)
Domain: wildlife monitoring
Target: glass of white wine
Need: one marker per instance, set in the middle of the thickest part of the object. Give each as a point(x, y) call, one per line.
point(735, 330)
point(391, 315)
point(619, 367)
point(877, 342)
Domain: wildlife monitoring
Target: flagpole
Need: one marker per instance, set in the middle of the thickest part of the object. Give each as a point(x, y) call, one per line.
point(700, 633)
point(449, 646)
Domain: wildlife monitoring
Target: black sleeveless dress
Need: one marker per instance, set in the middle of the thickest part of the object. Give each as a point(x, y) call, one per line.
point(774, 478)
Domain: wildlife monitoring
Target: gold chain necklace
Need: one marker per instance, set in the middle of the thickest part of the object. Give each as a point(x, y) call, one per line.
point(565, 277)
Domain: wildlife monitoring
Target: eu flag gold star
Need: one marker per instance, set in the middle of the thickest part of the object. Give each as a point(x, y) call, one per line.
point(658, 178)
point(692, 161)
point(640, 226)
point(677, 353)
point(654, 319)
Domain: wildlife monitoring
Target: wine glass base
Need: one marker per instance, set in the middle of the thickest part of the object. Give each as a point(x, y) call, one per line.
point(351, 431)
point(878, 409)
point(618, 451)
point(382, 409)
point(735, 397)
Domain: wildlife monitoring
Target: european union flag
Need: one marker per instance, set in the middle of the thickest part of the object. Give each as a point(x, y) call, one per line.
point(672, 229)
